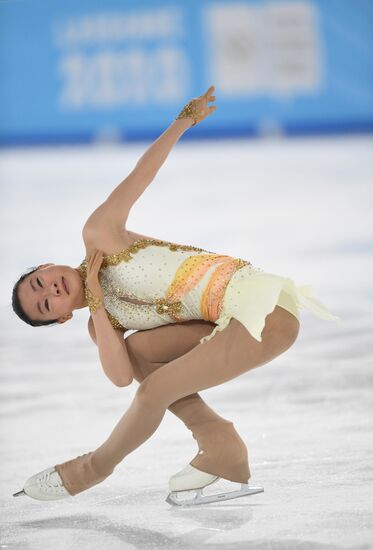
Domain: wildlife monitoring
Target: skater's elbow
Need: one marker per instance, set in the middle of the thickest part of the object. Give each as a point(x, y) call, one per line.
point(122, 382)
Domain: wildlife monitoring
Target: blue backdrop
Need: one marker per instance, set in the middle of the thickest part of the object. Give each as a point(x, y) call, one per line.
point(76, 71)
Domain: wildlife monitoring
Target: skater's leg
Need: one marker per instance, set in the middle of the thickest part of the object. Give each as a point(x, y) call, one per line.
point(229, 354)
point(220, 448)
point(167, 342)
point(151, 349)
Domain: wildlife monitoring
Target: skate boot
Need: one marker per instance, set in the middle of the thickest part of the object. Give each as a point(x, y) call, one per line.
point(46, 485)
point(221, 461)
point(63, 480)
point(190, 478)
point(191, 486)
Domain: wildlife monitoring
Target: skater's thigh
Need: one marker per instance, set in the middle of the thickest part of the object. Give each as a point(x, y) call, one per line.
point(166, 343)
point(230, 353)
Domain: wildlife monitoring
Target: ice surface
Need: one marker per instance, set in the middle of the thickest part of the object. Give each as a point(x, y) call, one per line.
point(301, 208)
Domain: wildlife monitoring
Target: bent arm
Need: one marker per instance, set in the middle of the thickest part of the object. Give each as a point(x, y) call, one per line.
point(114, 211)
point(112, 350)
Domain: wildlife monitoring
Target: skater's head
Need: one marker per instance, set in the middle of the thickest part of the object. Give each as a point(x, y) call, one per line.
point(48, 294)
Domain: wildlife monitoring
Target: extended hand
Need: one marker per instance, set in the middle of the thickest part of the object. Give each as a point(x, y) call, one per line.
point(198, 109)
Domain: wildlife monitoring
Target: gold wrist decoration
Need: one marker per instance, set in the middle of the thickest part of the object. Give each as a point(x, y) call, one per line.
point(189, 111)
point(93, 302)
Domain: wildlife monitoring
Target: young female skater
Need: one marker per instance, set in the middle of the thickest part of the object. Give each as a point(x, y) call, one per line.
point(130, 281)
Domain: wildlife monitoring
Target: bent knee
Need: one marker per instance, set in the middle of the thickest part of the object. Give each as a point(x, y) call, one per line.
point(147, 391)
point(281, 330)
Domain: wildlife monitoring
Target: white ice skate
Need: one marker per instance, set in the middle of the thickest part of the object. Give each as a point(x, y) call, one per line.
point(187, 485)
point(46, 485)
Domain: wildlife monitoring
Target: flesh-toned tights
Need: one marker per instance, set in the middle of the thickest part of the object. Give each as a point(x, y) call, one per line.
point(173, 366)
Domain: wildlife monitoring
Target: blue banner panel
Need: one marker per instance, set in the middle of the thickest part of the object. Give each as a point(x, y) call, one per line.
point(80, 71)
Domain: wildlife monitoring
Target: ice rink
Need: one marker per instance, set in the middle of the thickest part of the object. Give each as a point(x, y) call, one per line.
point(301, 208)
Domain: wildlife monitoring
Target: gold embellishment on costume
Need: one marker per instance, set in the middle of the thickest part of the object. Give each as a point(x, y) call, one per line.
point(126, 254)
point(93, 303)
point(82, 270)
point(241, 263)
point(189, 111)
point(212, 298)
point(114, 322)
point(170, 308)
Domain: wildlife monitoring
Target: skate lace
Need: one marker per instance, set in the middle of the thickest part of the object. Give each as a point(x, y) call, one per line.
point(49, 486)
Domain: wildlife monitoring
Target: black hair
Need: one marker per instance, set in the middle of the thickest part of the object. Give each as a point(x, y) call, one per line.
point(17, 307)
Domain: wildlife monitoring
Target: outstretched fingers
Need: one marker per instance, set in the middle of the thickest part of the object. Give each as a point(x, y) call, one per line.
point(209, 97)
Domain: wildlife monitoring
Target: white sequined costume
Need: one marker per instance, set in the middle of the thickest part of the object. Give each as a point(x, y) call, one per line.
point(153, 283)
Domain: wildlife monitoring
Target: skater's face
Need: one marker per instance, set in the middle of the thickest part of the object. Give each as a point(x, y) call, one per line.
point(51, 292)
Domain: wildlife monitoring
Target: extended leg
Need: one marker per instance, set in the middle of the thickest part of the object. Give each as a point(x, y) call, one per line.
point(229, 354)
point(220, 448)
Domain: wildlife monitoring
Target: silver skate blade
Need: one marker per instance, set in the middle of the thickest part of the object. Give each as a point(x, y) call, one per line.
point(174, 497)
point(20, 493)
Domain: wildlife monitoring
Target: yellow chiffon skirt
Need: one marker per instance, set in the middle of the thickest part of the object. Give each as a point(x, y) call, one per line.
point(252, 294)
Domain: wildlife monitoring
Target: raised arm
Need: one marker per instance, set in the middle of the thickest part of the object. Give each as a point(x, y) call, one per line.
point(114, 211)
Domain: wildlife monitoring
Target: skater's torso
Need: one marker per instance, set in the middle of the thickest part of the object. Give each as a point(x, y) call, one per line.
point(153, 282)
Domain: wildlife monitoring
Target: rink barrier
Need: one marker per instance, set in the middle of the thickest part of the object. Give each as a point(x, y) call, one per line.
point(81, 72)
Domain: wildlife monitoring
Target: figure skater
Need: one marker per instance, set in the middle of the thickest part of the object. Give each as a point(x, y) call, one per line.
point(202, 318)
